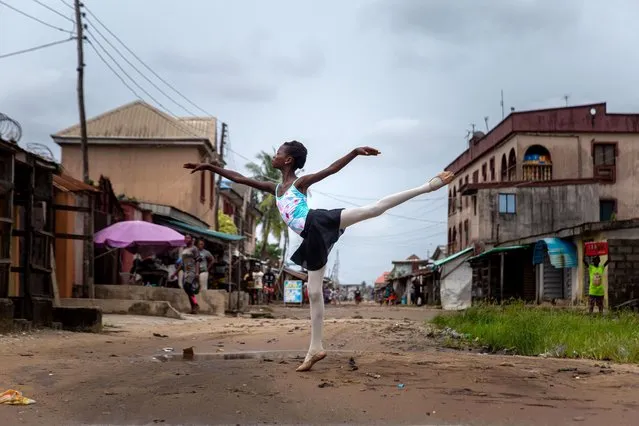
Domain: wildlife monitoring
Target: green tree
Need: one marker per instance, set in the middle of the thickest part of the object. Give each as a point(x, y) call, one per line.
point(226, 223)
point(272, 224)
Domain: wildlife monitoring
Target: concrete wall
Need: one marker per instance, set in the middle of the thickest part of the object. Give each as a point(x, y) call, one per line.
point(213, 302)
point(538, 210)
point(623, 271)
point(152, 174)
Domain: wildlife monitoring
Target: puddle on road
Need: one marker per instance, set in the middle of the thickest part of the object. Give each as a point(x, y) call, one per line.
point(261, 355)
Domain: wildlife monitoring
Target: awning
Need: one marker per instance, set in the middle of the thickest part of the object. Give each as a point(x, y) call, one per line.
point(496, 250)
point(197, 231)
point(563, 254)
point(445, 260)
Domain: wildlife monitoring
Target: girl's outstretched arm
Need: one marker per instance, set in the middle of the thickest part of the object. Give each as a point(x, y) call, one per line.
point(232, 175)
point(306, 181)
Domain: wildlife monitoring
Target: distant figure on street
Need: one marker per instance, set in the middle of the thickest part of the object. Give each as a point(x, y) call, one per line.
point(269, 284)
point(190, 268)
point(206, 263)
point(596, 290)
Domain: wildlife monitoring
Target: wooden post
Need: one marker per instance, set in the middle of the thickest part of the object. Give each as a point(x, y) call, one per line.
point(501, 278)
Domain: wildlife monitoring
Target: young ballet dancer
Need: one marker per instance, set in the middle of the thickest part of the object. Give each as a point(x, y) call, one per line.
point(319, 228)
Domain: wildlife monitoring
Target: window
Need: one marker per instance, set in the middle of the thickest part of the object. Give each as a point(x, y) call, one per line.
point(451, 202)
point(604, 158)
point(475, 205)
point(507, 203)
point(476, 176)
point(466, 198)
point(202, 187)
point(492, 169)
point(466, 232)
point(483, 173)
point(504, 168)
point(607, 210)
point(454, 199)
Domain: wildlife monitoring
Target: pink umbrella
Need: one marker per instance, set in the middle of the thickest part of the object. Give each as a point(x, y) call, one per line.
point(136, 234)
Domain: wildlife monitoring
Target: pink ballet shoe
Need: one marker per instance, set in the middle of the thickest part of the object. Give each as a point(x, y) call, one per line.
point(310, 362)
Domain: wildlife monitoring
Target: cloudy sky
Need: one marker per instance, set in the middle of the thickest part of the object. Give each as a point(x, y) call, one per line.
point(406, 76)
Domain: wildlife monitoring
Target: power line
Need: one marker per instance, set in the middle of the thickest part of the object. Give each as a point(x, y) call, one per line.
point(114, 71)
point(127, 75)
point(34, 18)
point(68, 5)
point(145, 64)
point(32, 49)
point(139, 72)
point(54, 11)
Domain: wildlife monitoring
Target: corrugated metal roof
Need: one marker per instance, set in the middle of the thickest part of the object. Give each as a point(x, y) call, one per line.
point(563, 254)
point(139, 120)
point(445, 260)
point(66, 183)
point(203, 125)
point(496, 250)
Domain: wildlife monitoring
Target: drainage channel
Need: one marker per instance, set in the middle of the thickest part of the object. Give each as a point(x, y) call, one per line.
point(260, 355)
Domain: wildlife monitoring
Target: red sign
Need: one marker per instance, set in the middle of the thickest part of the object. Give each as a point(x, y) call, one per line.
point(596, 248)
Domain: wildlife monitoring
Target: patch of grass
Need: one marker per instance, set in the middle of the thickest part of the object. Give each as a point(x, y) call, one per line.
point(537, 331)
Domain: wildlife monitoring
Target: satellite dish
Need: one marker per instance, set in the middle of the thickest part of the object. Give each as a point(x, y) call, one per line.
point(593, 112)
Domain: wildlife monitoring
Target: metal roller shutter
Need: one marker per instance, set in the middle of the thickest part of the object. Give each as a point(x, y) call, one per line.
point(553, 281)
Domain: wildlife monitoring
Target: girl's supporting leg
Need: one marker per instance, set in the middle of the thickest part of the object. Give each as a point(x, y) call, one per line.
point(354, 215)
point(316, 298)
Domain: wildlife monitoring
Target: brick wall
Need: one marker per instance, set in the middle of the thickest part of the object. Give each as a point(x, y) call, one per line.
point(623, 271)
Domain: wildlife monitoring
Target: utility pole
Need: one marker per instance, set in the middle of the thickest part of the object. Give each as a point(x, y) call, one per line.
point(502, 105)
point(566, 97)
point(216, 205)
point(83, 119)
point(87, 264)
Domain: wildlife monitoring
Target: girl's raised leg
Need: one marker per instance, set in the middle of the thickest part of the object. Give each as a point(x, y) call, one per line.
point(354, 215)
point(316, 350)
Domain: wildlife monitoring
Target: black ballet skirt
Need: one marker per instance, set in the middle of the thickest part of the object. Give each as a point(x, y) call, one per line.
point(320, 234)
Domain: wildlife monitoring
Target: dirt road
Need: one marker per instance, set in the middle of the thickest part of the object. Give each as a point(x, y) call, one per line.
point(402, 377)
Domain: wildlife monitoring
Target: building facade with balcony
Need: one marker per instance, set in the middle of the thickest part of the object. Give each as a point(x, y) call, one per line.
point(543, 170)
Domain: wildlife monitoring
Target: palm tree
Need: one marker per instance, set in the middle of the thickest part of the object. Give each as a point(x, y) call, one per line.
point(272, 224)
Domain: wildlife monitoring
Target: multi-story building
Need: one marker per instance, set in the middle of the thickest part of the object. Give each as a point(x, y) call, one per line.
point(543, 170)
point(142, 151)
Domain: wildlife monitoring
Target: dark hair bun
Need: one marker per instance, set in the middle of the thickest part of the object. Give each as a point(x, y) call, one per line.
point(298, 151)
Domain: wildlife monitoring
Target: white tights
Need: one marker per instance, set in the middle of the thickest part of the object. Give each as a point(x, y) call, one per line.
point(350, 217)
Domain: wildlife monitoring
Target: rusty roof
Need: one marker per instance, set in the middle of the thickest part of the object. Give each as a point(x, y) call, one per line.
point(66, 183)
point(574, 119)
point(139, 120)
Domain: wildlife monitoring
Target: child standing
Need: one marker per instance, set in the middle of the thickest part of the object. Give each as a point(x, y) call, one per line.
point(596, 290)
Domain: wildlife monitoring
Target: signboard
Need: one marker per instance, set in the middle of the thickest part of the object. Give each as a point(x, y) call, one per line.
point(596, 248)
point(293, 292)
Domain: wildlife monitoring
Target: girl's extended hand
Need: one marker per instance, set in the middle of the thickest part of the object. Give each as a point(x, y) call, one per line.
point(446, 177)
point(366, 150)
point(196, 167)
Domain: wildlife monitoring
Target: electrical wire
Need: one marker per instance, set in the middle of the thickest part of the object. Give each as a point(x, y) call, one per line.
point(138, 71)
point(145, 64)
point(34, 18)
point(33, 49)
point(67, 4)
point(93, 39)
point(54, 11)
